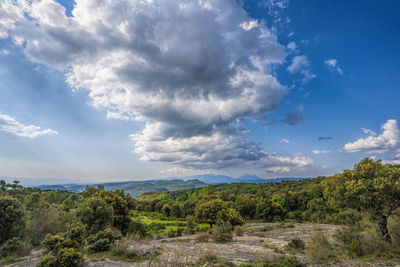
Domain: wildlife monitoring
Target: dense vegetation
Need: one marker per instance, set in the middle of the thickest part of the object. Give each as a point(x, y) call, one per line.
point(69, 226)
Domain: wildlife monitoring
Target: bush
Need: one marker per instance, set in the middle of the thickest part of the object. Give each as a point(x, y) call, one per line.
point(12, 247)
point(239, 231)
point(137, 227)
point(59, 251)
point(191, 225)
point(318, 248)
point(103, 240)
point(296, 243)
point(223, 233)
point(203, 237)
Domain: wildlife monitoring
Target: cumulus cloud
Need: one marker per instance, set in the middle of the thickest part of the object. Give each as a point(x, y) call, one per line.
point(285, 140)
point(294, 117)
point(387, 141)
point(191, 70)
point(318, 152)
point(10, 125)
point(300, 64)
point(332, 64)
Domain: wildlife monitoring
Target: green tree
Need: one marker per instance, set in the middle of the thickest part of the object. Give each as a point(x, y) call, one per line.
point(96, 214)
point(370, 186)
point(10, 217)
point(217, 210)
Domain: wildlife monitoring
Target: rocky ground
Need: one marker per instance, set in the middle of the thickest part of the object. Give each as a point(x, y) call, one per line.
point(259, 243)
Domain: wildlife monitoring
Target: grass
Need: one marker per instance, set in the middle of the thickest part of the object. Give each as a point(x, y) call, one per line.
point(158, 223)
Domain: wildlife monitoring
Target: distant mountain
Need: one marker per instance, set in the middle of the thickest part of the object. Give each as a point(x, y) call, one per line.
point(134, 188)
point(247, 178)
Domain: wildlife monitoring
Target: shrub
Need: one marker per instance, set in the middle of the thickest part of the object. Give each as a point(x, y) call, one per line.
point(239, 231)
point(318, 248)
point(59, 251)
point(191, 225)
point(12, 247)
point(103, 240)
point(69, 257)
point(203, 237)
point(137, 227)
point(346, 235)
point(223, 233)
point(296, 243)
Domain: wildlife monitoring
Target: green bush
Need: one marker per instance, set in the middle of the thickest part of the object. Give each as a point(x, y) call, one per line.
point(12, 247)
point(136, 226)
point(103, 240)
point(296, 243)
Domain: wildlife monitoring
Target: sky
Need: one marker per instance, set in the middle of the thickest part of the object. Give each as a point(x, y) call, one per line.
point(141, 89)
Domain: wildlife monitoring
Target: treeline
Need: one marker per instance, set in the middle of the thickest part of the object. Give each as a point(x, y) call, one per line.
point(68, 225)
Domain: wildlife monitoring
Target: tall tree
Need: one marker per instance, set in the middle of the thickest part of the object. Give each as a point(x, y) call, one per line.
point(370, 186)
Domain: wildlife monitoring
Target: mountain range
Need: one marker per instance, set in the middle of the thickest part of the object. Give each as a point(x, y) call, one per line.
point(135, 188)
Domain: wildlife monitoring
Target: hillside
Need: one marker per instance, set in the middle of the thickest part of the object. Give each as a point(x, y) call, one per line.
point(134, 188)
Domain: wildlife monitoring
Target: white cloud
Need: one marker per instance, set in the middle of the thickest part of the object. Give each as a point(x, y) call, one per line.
point(248, 25)
point(284, 140)
point(10, 125)
point(333, 65)
point(291, 46)
point(300, 64)
point(318, 152)
point(388, 141)
point(191, 70)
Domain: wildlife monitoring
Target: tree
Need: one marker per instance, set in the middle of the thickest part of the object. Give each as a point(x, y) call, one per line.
point(118, 201)
point(217, 210)
point(10, 217)
point(370, 186)
point(268, 209)
point(96, 214)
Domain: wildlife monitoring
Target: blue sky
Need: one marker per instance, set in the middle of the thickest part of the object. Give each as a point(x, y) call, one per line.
point(129, 90)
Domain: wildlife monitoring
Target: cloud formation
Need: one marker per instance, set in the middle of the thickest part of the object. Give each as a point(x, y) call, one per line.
point(387, 141)
point(318, 152)
point(300, 64)
point(10, 125)
point(294, 117)
point(285, 140)
point(332, 64)
point(191, 70)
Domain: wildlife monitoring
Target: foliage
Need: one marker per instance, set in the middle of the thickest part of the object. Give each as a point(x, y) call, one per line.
point(297, 243)
point(10, 217)
point(370, 186)
point(103, 240)
point(13, 246)
point(96, 214)
point(217, 210)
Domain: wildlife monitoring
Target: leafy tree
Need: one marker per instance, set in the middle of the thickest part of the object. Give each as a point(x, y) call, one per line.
point(96, 214)
point(246, 205)
point(268, 209)
point(10, 217)
point(217, 210)
point(118, 201)
point(176, 210)
point(370, 186)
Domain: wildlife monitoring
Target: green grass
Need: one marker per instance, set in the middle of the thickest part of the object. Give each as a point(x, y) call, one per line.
point(158, 223)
